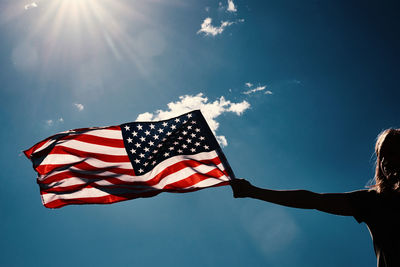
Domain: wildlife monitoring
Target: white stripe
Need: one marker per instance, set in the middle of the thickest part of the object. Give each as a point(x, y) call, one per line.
point(103, 164)
point(209, 182)
point(114, 134)
point(84, 193)
point(53, 159)
point(107, 133)
point(56, 159)
point(45, 145)
point(140, 178)
point(221, 166)
point(92, 148)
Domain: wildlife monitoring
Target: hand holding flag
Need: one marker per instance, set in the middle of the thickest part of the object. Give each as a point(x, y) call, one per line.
point(241, 188)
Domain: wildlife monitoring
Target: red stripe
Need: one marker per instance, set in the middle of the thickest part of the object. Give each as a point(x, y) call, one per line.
point(194, 179)
point(96, 140)
point(222, 183)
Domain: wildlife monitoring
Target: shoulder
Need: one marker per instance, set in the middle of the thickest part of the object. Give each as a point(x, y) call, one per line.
point(365, 193)
point(361, 198)
point(361, 202)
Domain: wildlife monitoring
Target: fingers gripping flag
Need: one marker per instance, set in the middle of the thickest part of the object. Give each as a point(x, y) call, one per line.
point(104, 165)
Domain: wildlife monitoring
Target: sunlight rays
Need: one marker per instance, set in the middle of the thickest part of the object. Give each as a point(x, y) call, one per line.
point(70, 32)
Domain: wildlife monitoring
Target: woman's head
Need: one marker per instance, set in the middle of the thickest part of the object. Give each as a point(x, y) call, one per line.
point(387, 149)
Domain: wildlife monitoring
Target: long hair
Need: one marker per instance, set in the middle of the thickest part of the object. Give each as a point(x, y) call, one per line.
point(387, 142)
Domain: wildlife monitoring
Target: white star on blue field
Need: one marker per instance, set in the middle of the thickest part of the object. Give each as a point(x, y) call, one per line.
point(294, 91)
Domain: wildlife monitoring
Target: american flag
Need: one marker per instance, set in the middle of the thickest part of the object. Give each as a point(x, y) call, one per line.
point(104, 165)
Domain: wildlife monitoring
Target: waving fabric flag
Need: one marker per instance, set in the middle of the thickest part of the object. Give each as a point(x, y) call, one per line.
point(104, 165)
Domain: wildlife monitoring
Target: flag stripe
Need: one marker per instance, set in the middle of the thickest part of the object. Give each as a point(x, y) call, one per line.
point(75, 176)
point(90, 138)
point(189, 178)
point(44, 169)
point(106, 199)
point(65, 155)
point(165, 168)
point(193, 179)
point(112, 132)
point(96, 192)
point(88, 148)
point(93, 163)
point(83, 169)
point(209, 182)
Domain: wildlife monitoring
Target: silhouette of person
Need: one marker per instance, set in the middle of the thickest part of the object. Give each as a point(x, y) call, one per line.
point(378, 207)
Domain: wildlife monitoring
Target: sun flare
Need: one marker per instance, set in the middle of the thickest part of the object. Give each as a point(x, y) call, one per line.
point(70, 31)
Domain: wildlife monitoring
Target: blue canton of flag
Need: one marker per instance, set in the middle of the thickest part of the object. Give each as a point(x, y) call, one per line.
point(149, 143)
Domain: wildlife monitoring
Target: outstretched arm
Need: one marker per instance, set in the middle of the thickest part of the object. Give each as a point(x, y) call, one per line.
point(334, 203)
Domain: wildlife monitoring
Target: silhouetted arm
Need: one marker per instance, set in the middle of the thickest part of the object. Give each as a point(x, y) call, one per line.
point(334, 203)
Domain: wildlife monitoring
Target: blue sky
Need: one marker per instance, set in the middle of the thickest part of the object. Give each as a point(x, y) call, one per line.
point(306, 87)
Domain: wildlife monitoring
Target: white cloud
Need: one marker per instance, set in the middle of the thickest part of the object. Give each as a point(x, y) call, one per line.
point(231, 6)
point(210, 110)
point(80, 107)
point(147, 116)
point(239, 108)
point(209, 29)
point(258, 88)
point(31, 5)
point(248, 84)
point(268, 92)
point(51, 122)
